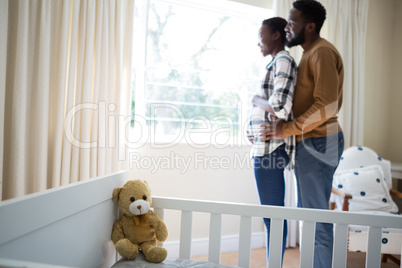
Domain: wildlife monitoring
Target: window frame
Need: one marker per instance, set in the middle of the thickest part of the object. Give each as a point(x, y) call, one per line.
point(142, 132)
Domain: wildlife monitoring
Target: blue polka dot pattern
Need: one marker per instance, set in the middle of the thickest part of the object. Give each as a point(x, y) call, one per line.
point(379, 158)
point(362, 193)
point(341, 157)
point(384, 200)
point(356, 173)
point(378, 180)
point(384, 241)
point(360, 148)
point(340, 186)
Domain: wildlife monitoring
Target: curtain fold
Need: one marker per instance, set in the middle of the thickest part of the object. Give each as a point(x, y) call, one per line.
point(291, 201)
point(67, 82)
point(347, 30)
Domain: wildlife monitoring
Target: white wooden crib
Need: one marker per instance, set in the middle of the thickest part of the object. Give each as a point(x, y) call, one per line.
point(70, 226)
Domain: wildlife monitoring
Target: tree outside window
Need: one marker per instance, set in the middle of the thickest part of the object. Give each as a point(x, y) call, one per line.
point(201, 68)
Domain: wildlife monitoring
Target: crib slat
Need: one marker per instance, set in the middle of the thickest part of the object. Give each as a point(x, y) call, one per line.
point(307, 244)
point(275, 243)
point(186, 234)
point(245, 242)
point(215, 230)
point(373, 255)
point(340, 245)
point(160, 212)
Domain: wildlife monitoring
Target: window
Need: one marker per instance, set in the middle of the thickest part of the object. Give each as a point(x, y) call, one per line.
point(197, 66)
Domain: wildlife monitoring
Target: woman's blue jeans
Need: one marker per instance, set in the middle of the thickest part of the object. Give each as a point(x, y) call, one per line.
point(316, 162)
point(269, 176)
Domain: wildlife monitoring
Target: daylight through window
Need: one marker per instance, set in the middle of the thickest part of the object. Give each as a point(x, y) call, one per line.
point(200, 67)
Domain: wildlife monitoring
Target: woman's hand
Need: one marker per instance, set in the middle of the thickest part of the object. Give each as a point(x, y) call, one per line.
point(256, 98)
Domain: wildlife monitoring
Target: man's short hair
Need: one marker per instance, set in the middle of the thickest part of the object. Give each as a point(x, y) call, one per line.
point(277, 24)
point(312, 11)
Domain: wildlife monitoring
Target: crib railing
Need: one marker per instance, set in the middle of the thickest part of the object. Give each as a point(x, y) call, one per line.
point(308, 217)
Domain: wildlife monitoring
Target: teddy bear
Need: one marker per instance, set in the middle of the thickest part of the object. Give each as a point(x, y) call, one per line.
point(139, 228)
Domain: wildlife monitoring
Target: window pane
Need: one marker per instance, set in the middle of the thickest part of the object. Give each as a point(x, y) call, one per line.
point(200, 63)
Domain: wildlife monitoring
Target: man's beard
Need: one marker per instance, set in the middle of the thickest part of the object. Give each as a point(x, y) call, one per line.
point(297, 40)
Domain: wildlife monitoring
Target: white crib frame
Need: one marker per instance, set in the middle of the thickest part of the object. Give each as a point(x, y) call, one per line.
point(61, 227)
point(309, 217)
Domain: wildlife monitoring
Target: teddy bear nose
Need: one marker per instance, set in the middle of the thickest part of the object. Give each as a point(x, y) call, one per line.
point(139, 207)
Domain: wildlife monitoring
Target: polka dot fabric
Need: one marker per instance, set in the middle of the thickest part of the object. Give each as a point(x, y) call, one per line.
point(368, 188)
point(367, 176)
point(360, 156)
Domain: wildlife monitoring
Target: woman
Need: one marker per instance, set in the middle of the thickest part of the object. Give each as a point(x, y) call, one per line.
point(273, 103)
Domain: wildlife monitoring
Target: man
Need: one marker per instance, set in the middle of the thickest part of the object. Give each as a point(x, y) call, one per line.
point(317, 100)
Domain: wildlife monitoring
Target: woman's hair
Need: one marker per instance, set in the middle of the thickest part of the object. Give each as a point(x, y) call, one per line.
point(277, 24)
point(312, 11)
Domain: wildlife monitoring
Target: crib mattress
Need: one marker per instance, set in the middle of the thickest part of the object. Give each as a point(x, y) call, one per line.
point(140, 262)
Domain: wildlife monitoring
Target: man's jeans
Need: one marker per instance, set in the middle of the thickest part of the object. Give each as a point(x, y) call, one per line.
point(316, 162)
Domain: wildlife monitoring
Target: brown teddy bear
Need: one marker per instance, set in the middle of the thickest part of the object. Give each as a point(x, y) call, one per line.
point(139, 228)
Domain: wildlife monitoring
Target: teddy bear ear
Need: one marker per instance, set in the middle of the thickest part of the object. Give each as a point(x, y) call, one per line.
point(116, 192)
point(146, 183)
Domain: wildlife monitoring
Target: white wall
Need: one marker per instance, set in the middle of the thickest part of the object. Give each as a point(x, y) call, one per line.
point(383, 95)
point(395, 142)
point(378, 75)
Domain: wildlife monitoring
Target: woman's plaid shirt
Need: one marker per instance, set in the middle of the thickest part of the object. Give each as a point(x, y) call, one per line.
point(278, 88)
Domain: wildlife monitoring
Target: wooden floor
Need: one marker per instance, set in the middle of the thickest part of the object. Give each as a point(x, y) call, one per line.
point(291, 259)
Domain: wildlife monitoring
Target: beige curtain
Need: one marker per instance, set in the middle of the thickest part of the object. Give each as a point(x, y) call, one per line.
point(66, 88)
point(347, 30)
